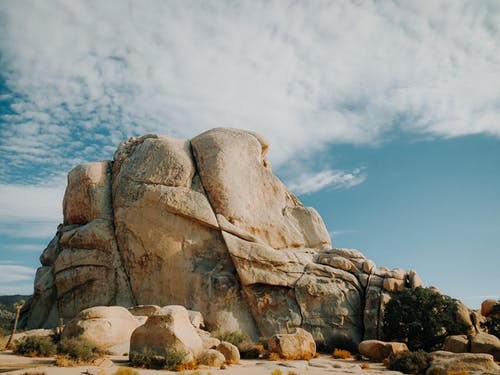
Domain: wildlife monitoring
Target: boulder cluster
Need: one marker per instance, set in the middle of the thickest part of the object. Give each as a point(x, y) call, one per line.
point(204, 223)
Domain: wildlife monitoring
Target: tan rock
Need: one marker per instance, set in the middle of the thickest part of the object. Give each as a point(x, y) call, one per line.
point(144, 310)
point(414, 280)
point(297, 345)
point(230, 352)
point(210, 342)
point(445, 362)
point(487, 306)
point(241, 187)
point(106, 326)
point(168, 329)
point(456, 344)
point(211, 358)
point(485, 343)
point(88, 194)
point(379, 350)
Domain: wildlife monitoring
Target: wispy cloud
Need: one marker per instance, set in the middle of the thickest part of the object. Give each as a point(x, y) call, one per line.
point(30, 211)
point(307, 183)
point(82, 76)
point(14, 273)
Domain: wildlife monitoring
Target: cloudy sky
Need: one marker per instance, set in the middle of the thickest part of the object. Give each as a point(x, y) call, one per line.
point(385, 116)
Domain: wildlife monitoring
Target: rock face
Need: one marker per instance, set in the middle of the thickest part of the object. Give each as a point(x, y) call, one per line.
point(205, 224)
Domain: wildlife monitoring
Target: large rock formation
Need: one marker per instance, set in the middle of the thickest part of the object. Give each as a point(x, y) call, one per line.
point(206, 224)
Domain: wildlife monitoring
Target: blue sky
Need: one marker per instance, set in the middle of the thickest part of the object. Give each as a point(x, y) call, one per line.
point(384, 116)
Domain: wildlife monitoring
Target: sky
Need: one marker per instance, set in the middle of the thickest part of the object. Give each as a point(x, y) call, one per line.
point(383, 115)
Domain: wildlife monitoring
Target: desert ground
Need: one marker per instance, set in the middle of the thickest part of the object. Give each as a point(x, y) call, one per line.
point(18, 365)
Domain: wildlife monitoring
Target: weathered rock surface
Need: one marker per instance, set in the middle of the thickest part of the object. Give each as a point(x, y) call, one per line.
point(109, 327)
point(456, 344)
point(297, 345)
point(205, 224)
point(211, 357)
point(445, 362)
point(167, 329)
point(487, 306)
point(230, 352)
point(485, 343)
point(377, 350)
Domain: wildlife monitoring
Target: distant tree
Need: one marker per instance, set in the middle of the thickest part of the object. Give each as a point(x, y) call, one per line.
point(18, 306)
point(422, 318)
point(492, 323)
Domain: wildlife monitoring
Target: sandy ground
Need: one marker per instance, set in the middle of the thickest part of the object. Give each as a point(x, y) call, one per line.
point(12, 364)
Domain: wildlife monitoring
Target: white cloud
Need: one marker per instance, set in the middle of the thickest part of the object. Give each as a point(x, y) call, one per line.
point(13, 273)
point(30, 211)
point(307, 74)
point(307, 183)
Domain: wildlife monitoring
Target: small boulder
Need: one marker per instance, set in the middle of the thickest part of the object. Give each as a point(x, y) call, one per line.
point(487, 306)
point(485, 343)
point(230, 352)
point(167, 329)
point(211, 357)
point(377, 350)
point(109, 327)
point(144, 310)
point(298, 345)
point(209, 342)
point(445, 362)
point(196, 319)
point(456, 344)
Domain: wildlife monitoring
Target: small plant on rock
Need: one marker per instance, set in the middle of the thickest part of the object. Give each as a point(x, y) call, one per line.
point(410, 362)
point(36, 346)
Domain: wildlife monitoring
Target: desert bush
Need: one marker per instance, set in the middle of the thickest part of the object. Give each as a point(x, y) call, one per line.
point(276, 371)
point(79, 349)
point(171, 360)
point(341, 354)
point(36, 346)
point(492, 323)
point(126, 371)
point(422, 318)
point(234, 337)
point(274, 357)
point(250, 350)
point(410, 362)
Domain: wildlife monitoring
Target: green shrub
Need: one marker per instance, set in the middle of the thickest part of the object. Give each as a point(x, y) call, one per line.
point(36, 346)
point(422, 318)
point(79, 349)
point(171, 360)
point(234, 337)
point(410, 362)
point(492, 323)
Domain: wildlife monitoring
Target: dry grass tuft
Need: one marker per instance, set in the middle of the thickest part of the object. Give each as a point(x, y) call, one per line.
point(126, 371)
point(274, 357)
point(341, 354)
point(461, 372)
point(65, 361)
point(365, 366)
point(276, 371)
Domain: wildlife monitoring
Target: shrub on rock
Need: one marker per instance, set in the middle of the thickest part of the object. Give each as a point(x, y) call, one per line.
point(422, 318)
point(410, 362)
point(492, 323)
